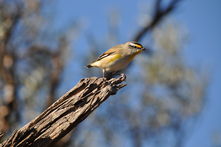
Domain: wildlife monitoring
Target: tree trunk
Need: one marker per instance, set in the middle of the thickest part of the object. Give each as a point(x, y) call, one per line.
point(66, 113)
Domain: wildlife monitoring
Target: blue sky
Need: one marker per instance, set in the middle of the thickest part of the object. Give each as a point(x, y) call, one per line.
point(203, 22)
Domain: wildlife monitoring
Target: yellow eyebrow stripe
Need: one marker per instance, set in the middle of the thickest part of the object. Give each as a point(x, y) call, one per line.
point(138, 46)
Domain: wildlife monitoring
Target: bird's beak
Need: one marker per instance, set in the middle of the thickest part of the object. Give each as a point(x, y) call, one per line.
point(147, 51)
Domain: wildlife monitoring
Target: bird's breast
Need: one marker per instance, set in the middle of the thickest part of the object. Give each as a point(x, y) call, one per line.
point(120, 63)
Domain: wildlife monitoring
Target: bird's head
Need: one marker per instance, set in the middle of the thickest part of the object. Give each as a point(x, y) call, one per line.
point(134, 45)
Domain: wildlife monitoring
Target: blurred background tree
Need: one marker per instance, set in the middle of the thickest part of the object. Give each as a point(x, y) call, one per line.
point(32, 59)
point(159, 106)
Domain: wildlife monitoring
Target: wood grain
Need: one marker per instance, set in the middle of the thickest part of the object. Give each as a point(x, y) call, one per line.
point(66, 113)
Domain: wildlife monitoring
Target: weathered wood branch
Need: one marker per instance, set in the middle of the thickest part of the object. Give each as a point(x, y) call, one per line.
point(66, 113)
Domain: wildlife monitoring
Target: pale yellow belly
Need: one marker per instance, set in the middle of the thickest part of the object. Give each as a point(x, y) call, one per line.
point(118, 65)
point(114, 63)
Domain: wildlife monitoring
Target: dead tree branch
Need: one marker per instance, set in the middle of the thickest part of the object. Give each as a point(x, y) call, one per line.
point(66, 113)
point(158, 15)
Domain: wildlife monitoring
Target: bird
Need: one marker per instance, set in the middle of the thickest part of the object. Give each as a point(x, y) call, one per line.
point(117, 58)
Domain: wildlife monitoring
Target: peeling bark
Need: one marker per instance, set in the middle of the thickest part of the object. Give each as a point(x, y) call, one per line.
point(66, 113)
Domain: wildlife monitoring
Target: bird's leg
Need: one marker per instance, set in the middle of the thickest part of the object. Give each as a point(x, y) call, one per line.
point(103, 73)
point(106, 74)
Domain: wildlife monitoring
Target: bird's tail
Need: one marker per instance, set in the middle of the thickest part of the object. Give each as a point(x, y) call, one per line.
point(89, 66)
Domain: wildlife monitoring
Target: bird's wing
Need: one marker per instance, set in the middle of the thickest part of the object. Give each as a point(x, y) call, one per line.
point(107, 53)
point(104, 55)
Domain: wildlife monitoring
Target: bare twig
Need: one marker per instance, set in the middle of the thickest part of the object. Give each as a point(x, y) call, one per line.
point(159, 14)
